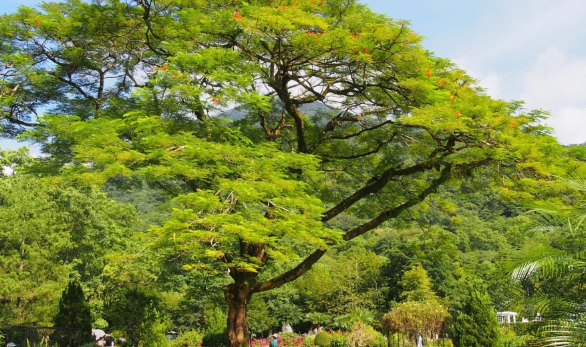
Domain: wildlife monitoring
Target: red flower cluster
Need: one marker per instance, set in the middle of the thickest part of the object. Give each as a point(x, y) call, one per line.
point(428, 73)
point(37, 22)
point(457, 113)
point(353, 35)
point(215, 100)
point(237, 15)
point(164, 68)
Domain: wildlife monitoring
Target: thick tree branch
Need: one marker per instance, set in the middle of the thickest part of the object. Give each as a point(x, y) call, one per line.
point(379, 183)
point(356, 156)
point(306, 264)
point(290, 275)
point(19, 122)
point(393, 213)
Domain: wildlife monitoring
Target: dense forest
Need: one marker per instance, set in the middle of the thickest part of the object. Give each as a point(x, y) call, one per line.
point(229, 170)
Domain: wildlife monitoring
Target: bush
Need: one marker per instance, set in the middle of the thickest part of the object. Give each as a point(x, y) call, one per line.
point(289, 339)
point(380, 340)
point(322, 339)
point(338, 339)
point(308, 341)
point(217, 334)
point(190, 338)
point(215, 339)
point(363, 335)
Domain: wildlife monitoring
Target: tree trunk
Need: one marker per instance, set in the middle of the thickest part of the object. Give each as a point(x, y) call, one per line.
point(237, 296)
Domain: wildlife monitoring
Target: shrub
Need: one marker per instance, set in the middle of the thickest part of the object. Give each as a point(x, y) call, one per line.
point(215, 339)
point(338, 339)
point(289, 339)
point(217, 334)
point(322, 339)
point(363, 335)
point(380, 340)
point(308, 341)
point(190, 338)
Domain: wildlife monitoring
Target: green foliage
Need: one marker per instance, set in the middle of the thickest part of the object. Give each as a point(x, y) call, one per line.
point(338, 338)
point(215, 339)
point(259, 317)
point(74, 311)
point(363, 335)
point(79, 228)
point(216, 320)
point(417, 286)
point(508, 338)
point(411, 317)
point(421, 312)
point(288, 314)
point(477, 325)
point(308, 341)
point(231, 197)
point(549, 278)
point(216, 335)
point(139, 313)
point(348, 279)
point(322, 339)
point(317, 318)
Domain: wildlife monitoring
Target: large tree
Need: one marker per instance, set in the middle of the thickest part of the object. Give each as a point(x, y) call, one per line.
point(340, 112)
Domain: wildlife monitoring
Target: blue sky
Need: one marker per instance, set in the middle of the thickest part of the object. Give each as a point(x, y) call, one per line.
point(532, 50)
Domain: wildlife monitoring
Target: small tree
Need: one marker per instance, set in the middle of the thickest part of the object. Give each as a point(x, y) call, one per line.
point(74, 311)
point(138, 312)
point(477, 325)
point(409, 317)
point(421, 312)
point(417, 285)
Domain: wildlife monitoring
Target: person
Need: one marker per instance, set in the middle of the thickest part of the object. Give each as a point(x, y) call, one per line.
point(274, 341)
point(109, 340)
point(122, 339)
point(419, 340)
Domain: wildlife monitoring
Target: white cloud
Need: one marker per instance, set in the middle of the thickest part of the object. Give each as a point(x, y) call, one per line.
point(516, 29)
point(555, 78)
point(555, 82)
point(569, 123)
point(490, 80)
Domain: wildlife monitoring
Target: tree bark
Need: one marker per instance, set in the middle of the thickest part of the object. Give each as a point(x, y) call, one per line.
point(237, 296)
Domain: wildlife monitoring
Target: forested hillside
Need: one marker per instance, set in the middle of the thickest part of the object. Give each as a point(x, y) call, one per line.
point(226, 169)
